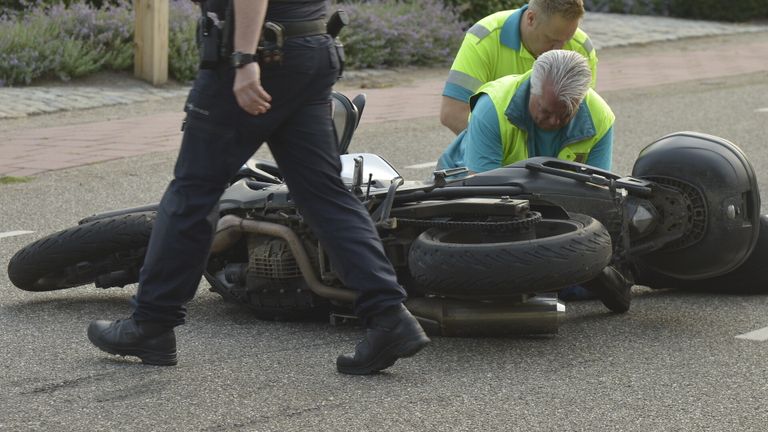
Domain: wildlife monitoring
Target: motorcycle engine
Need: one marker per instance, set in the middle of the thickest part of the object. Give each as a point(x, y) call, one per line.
point(271, 258)
point(270, 283)
point(273, 277)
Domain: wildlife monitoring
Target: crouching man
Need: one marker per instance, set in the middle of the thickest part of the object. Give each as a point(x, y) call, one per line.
point(548, 111)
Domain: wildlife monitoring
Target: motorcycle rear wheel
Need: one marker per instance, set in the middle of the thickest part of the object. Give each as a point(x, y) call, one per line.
point(469, 264)
point(81, 254)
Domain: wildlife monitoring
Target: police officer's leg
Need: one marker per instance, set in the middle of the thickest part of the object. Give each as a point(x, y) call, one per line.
point(310, 164)
point(182, 235)
point(213, 148)
point(305, 151)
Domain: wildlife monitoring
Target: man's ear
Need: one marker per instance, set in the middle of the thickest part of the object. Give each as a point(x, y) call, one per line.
point(529, 18)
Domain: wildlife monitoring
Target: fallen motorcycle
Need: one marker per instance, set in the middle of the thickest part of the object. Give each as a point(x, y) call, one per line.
point(478, 254)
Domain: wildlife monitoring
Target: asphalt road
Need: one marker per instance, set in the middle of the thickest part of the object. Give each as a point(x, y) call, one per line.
point(673, 363)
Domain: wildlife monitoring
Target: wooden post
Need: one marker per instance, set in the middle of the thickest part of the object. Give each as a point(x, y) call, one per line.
point(151, 40)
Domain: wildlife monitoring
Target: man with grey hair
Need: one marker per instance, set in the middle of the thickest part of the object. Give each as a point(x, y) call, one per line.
point(548, 111)
point(507, 43)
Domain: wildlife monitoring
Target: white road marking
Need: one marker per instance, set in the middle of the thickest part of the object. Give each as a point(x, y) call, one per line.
point(422, 165)
point(757, 335)
point(14, 233)
point(765, 110)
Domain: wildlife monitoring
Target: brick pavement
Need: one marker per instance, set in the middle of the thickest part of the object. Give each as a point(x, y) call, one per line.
point(30, 152)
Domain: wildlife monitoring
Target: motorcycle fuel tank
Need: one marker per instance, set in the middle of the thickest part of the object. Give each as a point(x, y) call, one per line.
point(240, 195)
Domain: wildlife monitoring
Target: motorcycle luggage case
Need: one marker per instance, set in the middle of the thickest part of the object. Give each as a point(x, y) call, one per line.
point(722, 187)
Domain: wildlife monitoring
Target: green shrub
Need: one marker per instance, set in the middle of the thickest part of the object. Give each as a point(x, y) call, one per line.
point(23, 5)
point(473, 11)
point(183, 56)
point(10, 6)
point(65, 42)
point(733, 10)
point(715, 10)
point(72, 38)
point(387, 33)
point(637, 7)
point(21, 61)
point(108, 31)
point(74, 58)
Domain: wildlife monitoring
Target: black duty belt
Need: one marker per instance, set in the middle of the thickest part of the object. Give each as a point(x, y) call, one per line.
point(291, 29)
point(276, 33)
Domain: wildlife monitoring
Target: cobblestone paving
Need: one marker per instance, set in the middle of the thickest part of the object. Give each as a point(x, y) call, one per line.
point(606, 30)
point(23, 101)
point(614, 30)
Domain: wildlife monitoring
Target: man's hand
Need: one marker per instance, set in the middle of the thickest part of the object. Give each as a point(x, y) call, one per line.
point(248, 91)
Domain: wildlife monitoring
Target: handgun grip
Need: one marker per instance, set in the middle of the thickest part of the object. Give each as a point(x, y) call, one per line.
point(336, 22)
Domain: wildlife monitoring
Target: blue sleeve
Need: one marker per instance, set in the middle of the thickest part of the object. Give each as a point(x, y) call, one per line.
point(457, 92)
point(483, 140)
point(602, 153)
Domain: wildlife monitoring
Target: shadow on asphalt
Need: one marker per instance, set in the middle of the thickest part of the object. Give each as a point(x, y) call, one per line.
point(69, 304)
point(692, 292)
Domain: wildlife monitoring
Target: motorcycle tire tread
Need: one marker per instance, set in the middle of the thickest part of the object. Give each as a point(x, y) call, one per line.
point(494, 270)
point(55, 254)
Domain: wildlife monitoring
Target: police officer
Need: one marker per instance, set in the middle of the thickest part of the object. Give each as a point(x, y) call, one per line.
point(232, 108)
point(507, 43)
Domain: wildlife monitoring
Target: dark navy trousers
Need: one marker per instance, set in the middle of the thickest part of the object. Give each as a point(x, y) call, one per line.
point(219, 137)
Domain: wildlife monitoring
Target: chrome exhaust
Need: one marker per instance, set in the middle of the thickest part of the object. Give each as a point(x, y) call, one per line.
point(450, 317)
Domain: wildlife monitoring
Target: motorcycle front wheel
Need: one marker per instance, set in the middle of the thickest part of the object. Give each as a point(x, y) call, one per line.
point(470, 263)
point(108, 252)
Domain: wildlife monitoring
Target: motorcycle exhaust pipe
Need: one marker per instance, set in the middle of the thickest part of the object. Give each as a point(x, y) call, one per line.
point(450, 317)
point(231, 228)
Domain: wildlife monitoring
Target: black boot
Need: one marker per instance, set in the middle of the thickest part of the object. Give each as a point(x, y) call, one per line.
point(391, 335)
point(613, 289)
point(154, 344)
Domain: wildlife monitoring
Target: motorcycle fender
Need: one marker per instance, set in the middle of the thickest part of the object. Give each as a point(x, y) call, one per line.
point(721, 187)
point(543, 189)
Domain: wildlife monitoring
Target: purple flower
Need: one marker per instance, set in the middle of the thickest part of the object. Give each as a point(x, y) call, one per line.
point(385, 33)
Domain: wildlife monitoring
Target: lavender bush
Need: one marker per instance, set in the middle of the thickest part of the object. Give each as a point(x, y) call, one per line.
point(108, 30)
point(716, 10)
point(182, 46)
point(639, 7)
point(65, 42)
point(387, 33)
point(474, 10)
point(21, 59)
